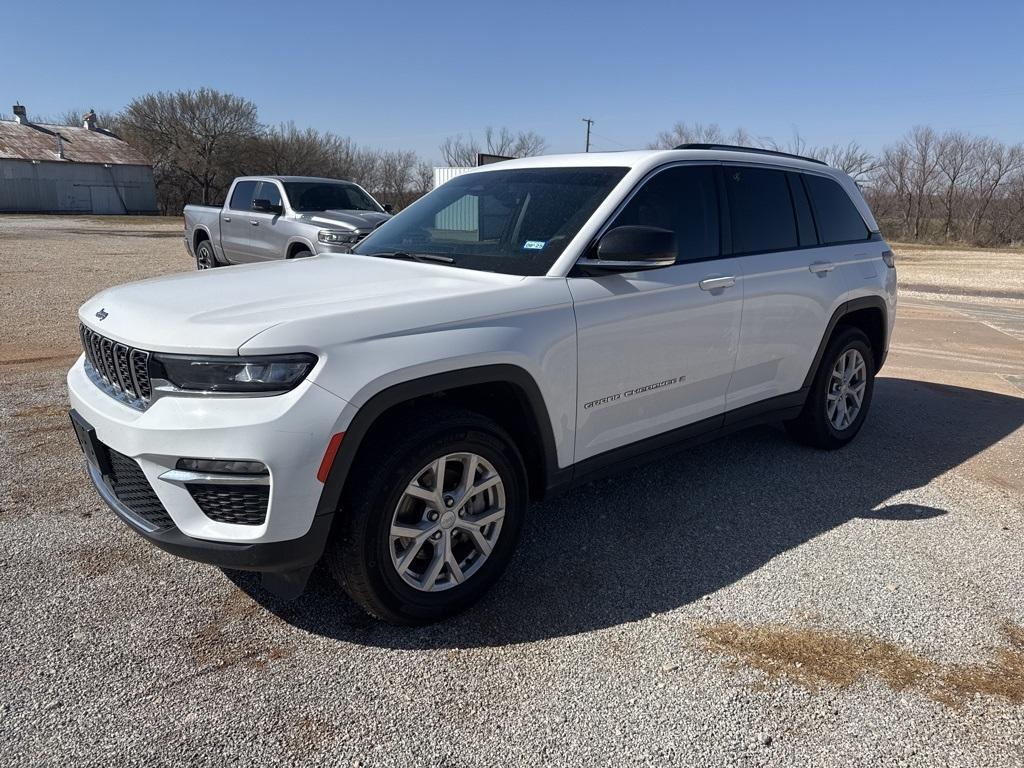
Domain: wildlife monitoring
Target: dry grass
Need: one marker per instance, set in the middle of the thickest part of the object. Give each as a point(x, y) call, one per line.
point(814, 658)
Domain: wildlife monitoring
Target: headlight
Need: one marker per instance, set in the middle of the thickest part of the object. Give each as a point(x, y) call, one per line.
point(268, 373)
point(337, 237)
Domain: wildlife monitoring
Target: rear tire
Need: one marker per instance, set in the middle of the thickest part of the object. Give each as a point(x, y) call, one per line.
point(460, 540)
point(205, 257)
point(840, 394)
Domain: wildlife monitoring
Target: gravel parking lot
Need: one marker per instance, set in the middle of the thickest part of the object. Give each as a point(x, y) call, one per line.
point(749, 602)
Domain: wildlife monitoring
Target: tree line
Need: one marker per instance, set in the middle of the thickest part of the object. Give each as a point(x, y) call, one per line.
point(198, 141)
point(927, 186)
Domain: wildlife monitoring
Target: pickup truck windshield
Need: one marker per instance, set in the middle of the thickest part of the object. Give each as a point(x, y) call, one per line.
point(512, 221)
point(314, 196)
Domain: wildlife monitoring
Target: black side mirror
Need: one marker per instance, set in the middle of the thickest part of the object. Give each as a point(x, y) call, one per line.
point(630, 248)
point(265, 206)
point(389, 208)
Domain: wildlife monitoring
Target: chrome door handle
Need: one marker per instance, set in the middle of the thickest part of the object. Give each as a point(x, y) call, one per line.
point(819, 267)
point(717, 282)
point(227, 218)
point(254, 222)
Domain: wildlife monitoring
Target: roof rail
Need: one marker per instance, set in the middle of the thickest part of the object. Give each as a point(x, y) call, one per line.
point(754, 150)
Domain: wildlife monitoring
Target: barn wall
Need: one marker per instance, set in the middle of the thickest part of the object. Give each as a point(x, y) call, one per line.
point(56, 187)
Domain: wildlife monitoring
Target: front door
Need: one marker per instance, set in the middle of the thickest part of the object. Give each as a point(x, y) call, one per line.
point(656, 348)
point(268, 238)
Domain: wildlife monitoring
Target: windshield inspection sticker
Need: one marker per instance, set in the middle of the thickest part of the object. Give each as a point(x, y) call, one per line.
point(534, 245)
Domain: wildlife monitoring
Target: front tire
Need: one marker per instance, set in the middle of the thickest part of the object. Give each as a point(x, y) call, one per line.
point(431, 518)
point(840, 393)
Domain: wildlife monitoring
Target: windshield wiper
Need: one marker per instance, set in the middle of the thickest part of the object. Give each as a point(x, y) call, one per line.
point(423, 258)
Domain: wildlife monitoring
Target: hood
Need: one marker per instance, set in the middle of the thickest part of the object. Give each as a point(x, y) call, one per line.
point(216, 311)
point(362, 220)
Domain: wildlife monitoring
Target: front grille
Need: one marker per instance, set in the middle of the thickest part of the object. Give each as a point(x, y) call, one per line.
point(121, 371)
point(129, 484)
point(237, 504)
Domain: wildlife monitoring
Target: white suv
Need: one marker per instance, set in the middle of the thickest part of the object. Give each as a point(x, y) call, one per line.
point(520, 328)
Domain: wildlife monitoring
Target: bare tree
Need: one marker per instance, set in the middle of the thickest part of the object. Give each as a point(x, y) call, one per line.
point(687, 133)
point(955, 162)
point(462, 152)
point(997, 165)
point(195, 132)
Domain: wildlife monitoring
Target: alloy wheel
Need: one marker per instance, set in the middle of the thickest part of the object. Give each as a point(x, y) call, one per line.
point(204, 258)
point(447, 522)
point(846, 389)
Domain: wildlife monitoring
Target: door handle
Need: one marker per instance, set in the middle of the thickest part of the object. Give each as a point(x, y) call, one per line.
point(821, 267)
point(717, 282)
point(227, 218)
point(254, 222)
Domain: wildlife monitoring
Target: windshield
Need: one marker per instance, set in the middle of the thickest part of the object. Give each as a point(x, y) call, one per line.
point(514, 221)
point(310, 196)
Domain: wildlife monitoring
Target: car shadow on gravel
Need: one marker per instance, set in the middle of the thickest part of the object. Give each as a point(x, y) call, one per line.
point(650, 540)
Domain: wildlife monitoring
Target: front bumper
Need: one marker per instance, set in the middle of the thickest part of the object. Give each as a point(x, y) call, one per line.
point(273, 557)
point(288, 433)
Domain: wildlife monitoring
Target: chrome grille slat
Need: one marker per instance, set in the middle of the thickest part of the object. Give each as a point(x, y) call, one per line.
point(118, 369)
point(140, 371)
point(124, 372)
point(94, 344)
point(107, 359)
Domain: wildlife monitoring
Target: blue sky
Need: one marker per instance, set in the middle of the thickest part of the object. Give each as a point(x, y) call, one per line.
point(405, 75)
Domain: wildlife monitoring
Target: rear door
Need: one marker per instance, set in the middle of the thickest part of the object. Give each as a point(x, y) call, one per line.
point(792, 283)
point(235, 236)
point(268, 240)
point(656, 348)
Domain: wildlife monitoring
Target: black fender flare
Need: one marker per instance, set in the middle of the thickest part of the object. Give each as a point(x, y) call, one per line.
point(367, 415)
point(853, 305)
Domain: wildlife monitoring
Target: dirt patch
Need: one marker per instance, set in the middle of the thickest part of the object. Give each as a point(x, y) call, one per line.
point(231, 637)
point(42, 411)
point(814, 658)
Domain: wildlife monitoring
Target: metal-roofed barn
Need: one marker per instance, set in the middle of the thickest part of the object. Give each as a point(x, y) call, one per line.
point(61, 169)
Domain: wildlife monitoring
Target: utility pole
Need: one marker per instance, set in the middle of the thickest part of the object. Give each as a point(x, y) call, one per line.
point(589, 123)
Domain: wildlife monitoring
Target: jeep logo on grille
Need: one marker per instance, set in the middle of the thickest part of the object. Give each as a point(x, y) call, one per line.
point(102, 314)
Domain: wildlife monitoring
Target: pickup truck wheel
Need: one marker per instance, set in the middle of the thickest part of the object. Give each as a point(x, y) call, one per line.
point(840, 394)
point(432, 520)
point(205, 258)
point(303, 254)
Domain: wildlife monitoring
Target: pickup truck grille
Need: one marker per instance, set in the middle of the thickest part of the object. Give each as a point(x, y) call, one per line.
point(119, 370)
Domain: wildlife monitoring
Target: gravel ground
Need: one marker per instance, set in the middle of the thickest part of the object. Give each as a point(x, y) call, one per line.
point(750, 602)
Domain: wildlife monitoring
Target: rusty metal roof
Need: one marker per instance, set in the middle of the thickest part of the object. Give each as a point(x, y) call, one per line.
point(38, 141)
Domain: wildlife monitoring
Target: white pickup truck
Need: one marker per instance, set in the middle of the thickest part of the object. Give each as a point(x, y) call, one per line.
point(524, 327)
point(280, 217)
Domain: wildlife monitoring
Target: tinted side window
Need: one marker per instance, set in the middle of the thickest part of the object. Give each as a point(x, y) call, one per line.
point(760, 209)
point(804, 219)
point(683, 199)
point(838, 219)
point(269, 191)
point(241, 198)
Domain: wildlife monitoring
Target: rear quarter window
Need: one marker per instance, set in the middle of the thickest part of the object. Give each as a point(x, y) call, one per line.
point(837, 217)
point(760, 209)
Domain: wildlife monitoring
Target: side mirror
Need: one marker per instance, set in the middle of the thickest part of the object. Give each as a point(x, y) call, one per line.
point(265, 206)
point(631, 248)
point(388, 208)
